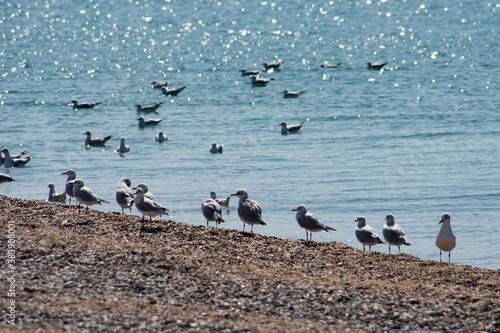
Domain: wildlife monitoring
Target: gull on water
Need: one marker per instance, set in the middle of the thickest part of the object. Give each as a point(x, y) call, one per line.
point(97, 141)
point(249, 210)
point(14, 163)
point(148, 108)
point(212, 211)
point(376, 66)
point(285, 129)
point(446, 240)
point(159, 84)
point(160, 137)
point(148, 207)
point(85, 195)
point(124, 194)
point(149, 122)
point(366, 235)
point(309, 221)
point(331, 65)
point(14, 156)
point(56, 197)
point(245, 72)
point(259, 82)
point(146, 192)
point(272, 65)
point(83, 105)
point(393, 233)
point(69, 186)
point(173, 91)
point(215, 148)
point(123, 148)
point(292, 94)
point(222, 202)
point(5, 178)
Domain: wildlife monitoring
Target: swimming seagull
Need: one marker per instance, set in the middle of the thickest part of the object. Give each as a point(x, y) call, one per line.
point(212, 212)
point(309, 221)
point(55, 197)
point(331, 65)
point(259, 82)
point(148, 108)
point(249, 211)
point(145, 189)
point(376, 66)
point(123, 148)
point(85, 195)
point(97, 141)
point(160, 137)
point(83, 105)
point(446, 240)
point(393, 233)
point(124, 194)
point(216, 148)
point(292, 94)
point(366, 235)
point(14, 156)
point(149, 122)
point(222, 202)
point(272, 65)
point(159, 84)
point(147, 206)
point(69, 187)
point(245, 72)
point(173, 91)
point(14, 163)
point(4, 178)
point(285, 129)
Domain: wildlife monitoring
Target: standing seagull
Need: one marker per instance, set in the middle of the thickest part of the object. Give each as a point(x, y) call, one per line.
point(222, 202)
point(85, 195)
point(446, 240)
point(123, 148)
point(292, 94)
point(212, 212)
point(147, 206)
point(95, 142)
point(146, 192)
point(16, 163)
point(69, 187)
point(4, 178)
point(149, 122)
point(285, 129)
point(309, 221)
point(124, 194)
point(160, 137)
point(393, 233)
point(83, 105)
point(249, 211)
point(55, 197)
point(172, 92)
point(148, 108)
point(366, 235)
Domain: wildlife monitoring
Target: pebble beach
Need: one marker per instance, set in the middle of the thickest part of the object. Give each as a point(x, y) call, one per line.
point(109, 272)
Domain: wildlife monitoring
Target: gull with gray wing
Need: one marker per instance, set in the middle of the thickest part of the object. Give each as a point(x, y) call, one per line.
point(249, 210)
point(309, 221)
point(393, 233)
point(366, 235)
point(124, 194)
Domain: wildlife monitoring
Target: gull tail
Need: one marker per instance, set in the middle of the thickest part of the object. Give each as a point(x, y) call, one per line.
point(100, 201)
point(330, 228)
point(220, 220)
point(380, 241)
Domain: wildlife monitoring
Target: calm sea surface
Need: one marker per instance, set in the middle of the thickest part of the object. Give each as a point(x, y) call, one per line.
point(417, 139)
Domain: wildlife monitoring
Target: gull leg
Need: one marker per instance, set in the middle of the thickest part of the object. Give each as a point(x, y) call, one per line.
point(389, 248)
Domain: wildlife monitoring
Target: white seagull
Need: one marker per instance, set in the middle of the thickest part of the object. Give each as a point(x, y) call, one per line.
point(292, 94)
point(160, 137)
point(5, 178)
point(249, 211)
point(69, 187)
point(259, 82)
point(145, 189)
point(212, 212)
point(147, 206)
point(159, 84)
point(85, 195)
point(393, 233)
point(331, 65)
point(14, 163)
point(366, 235)
point(148, 108)
point(173, 91)
point(55, 197)
point(97, 141)
point(123, 148)
point(124, 194)
point(309, 221)
point(14, 156)
point(84, 105)
point(376, 66)
point(222, 202)
point(285, 129)
point(148, 122)
point(446, 240)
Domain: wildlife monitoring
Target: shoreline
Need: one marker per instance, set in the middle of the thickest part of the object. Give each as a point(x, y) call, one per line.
point(99, 271)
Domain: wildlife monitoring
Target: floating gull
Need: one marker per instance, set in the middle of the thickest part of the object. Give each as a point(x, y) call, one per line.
point(222, 202)
point(146, 192)
point(123, 148)
point(393, 233)
point(285, 129)
point(56, 197)
point(14, 156)
point(14, 163)
point(259, 82)
point(85, 195)
point(160, 137)
point(148, 108)
point(292, 94)
point(83, 105)
point(272, 65)
point(245, 72)
point(159, 85)
point(212, 212)
point(446, 240)
point(366, 235)
point(147, 206)
point(97, 141)
point(149, 122)
point(69, 187)
point(4, 178)
point(249, 211)
point(309, 221)
point(124, 194)
point(376, 66)
point(172, 92)
point(216, 148)
point(331, 66)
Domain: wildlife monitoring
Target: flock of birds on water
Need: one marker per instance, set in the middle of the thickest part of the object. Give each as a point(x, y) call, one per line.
point(249, 210)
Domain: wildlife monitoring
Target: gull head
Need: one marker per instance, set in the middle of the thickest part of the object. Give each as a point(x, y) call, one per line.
point(242, 194)
point(301, 208)
point(361, 221)
point(77, 182)
point(389, 219)
point(445, 218)
point(125, 181)
point(70, 172)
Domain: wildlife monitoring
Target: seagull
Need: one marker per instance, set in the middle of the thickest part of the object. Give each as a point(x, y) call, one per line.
point(365, 234)
point(83, 105)
point(96, 142)
point(222, 202)
point(145, 189)
point(4, 178)
point(285, 129)
point(56, 197)
point(216, 148)
point(147, 206)
point(249, 211)
point(14, 156)
point(393, 233)
point(259, 82)
point(292, 94)
point(159, 84)
point(14, 163)
point(245, 72)
point(272, 65)
point(309, 221)
point(376, 66)
point(85, 195)
point(172, 92)
point(212, 212)
point(124, 194)
point(160, 137)
point(446, 240)
point(123, 148)
point(331, 65)
point(149, 122)
point(148, 108)
point(69, 187)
